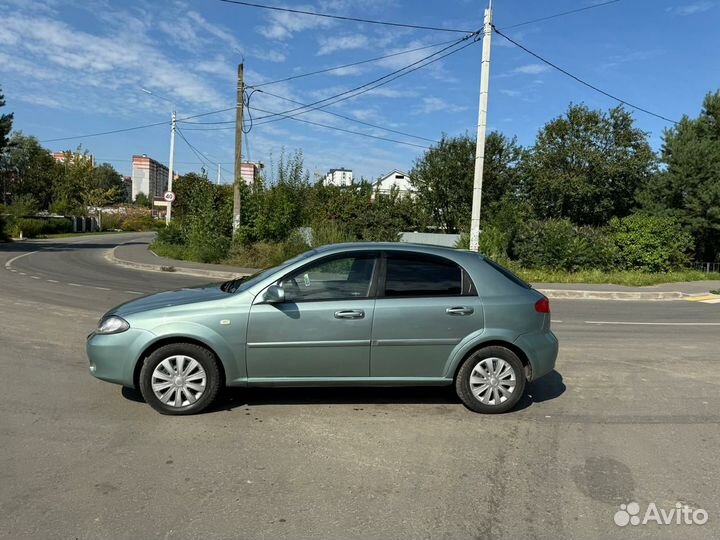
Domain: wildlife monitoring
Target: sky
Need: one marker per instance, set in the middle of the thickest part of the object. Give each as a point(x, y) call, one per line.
point(77, 67)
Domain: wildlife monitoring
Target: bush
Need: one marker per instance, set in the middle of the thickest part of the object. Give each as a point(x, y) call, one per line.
point(57, 226)
point(264, 254)
point(135, 222)
point(650, 243)
point(30, 228)
point(330, 232)
point(112, 221)
point(3, 224)
point(171, 234)
point(557, 244)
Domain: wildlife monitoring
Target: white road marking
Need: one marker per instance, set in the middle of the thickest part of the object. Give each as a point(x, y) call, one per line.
point(35, 277)
point(53, 281)
point(75, 285)
point(133, 292)
point(553, 320)
point(102, 288)
point(22, 273)
point(626, 323)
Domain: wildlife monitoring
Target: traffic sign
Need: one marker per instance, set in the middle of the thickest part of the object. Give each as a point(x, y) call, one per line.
point(169, 196)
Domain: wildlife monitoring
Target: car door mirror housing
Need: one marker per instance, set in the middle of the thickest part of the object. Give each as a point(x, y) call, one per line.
point(274, 294)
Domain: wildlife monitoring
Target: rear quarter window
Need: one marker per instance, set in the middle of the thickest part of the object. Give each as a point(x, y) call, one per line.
point(508, 274)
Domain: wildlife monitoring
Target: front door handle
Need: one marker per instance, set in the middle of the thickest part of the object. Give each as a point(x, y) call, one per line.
point(350, 314)
point(459, 310)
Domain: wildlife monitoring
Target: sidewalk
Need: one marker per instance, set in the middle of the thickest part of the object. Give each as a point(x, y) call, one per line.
point(135, 254)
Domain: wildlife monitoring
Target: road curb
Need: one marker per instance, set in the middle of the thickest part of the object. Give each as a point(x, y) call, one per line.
point(613, 295)
point(183, 270)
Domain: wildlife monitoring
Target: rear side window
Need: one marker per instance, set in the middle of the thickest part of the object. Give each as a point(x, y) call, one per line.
point(508, 274)
point(414, 275)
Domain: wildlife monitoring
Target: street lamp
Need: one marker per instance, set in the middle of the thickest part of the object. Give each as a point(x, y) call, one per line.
point(172, 152)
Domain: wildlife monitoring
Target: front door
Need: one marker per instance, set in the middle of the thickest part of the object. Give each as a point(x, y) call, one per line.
point(322, 329)
point(427, 306)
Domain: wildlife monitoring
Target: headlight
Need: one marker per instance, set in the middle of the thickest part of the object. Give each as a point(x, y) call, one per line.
point(112, 325)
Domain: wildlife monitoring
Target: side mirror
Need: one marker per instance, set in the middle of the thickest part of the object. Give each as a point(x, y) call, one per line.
point(274, 294)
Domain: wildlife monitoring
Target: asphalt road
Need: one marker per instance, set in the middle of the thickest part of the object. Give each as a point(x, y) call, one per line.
point(630, 415)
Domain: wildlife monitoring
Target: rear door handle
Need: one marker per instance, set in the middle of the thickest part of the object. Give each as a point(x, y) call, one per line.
point(350, 314)
point(459, 310)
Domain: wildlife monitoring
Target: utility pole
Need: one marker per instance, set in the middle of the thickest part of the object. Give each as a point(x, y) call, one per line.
point(170, 168)
point(218, 174)
point(238, 147)
point(481, 129)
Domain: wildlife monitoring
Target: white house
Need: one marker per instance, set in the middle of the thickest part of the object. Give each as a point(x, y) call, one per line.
point(339, 177)
point(395, 178)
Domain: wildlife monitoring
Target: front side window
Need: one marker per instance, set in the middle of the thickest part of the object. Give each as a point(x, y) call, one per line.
point(333, 278)
point(411, 275)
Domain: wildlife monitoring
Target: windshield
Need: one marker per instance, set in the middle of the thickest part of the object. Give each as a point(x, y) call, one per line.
point(244, 283)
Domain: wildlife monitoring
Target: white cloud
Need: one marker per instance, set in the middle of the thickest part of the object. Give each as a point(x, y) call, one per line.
point(691, 9)
point(36, 99)
point(436, 104)
point(531, 69)
point(510, 93)
point(329, 44)
point(282, 25)
point(109, 61)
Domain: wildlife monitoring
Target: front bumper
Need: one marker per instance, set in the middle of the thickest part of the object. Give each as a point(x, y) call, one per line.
point(541, 349)
point(113, 356)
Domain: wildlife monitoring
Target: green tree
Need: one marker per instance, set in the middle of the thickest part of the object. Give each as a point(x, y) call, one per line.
point(30, 169)
point(689, 188)
point(588, 166)
point(107, 179)
point(5, 124)
point(443, 177)
point(142, 200)
point(71, 188)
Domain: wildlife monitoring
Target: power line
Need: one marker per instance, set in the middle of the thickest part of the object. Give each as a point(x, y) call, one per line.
point(353, 64)
point(345, 18)
point(134, 128)
point(111, 132)
point(380, 81)
point(197, 152)
point(351, 119)
point(584, 83)
point(561, 14)
point(318, 124)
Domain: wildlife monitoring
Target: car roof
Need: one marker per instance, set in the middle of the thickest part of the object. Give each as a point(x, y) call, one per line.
point(427, 249)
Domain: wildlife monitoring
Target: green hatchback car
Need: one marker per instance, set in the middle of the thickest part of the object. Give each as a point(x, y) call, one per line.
point(369, 314)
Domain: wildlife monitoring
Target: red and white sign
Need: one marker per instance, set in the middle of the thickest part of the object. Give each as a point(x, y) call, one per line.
point(169, 196)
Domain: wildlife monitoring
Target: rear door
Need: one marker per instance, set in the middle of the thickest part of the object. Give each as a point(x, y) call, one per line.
point(426, 305)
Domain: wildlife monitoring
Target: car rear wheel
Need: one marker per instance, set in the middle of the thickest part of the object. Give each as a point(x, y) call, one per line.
point(491, 380)
point(179, 379)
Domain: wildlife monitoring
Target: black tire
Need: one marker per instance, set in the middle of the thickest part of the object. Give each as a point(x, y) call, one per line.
point(463, 385)
point(205, 397)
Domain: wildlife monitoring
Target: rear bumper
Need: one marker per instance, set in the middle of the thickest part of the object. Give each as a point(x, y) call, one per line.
point(113, 356)
point(541, 349)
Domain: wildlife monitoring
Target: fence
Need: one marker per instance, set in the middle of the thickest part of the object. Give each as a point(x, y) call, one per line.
point(706, 266)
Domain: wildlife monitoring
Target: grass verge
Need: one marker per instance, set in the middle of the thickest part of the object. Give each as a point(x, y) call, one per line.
point(629, 277)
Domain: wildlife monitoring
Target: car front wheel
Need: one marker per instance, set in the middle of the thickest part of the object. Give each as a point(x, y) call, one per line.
point(491, 380)
point(180, 379)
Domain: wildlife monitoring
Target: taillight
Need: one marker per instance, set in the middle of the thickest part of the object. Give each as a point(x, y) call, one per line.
point(542, 305)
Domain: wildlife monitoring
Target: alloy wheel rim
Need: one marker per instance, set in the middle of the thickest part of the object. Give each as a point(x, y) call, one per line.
point(492, 381)
point(178, 381)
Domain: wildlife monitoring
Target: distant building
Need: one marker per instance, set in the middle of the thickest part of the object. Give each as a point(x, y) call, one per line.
point(250, 172)
point(60, 157)
point(148, 176)
point(339, 177)
point(394, 179)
